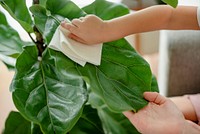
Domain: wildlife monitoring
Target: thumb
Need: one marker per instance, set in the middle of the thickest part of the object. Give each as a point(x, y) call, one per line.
point(128, 114)
point(155, 97)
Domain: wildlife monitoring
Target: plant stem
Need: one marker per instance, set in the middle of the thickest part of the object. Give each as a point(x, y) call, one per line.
point(39, 38)
point(39, 41)
point(36, 2)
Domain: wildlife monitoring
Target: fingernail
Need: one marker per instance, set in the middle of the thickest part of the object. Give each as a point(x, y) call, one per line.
point(63, 23)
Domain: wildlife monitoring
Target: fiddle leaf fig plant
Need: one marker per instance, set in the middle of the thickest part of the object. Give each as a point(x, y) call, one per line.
point(55, 95)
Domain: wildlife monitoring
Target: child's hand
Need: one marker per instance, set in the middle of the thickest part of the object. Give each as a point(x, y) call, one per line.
point(87, 30)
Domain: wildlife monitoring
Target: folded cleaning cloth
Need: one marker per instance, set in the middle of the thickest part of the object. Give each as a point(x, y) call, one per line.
point(78, 52)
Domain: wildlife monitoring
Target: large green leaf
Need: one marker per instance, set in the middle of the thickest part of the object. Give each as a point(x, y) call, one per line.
point(106, 10)
point(45, 93)
point(113, 123)
point(35, 129)
point(154, 84)
point(48, 18)
point(89, 123)
point(46, 24)
point(122, 70)
point(8, 61)
point(17, 124)
point(11, 44)
point(64, 8)
point(123, 75)
point(3, 19)
point(19, 11)
point(116, 123)
point(172, 3)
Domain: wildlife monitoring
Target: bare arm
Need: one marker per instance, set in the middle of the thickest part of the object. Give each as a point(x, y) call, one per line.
point(155, 18)
point(186, 107)
point(92, 30)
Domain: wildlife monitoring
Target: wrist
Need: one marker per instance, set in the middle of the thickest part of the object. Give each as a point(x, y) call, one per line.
point(106, 31)
point(111, 31)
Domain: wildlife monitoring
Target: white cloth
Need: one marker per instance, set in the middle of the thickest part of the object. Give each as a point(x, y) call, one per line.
point(78, 52)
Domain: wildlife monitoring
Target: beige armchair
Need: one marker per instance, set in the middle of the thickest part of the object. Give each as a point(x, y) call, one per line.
point(179, 62)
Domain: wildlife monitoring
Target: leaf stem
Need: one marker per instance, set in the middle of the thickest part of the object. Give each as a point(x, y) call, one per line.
point(31, 37)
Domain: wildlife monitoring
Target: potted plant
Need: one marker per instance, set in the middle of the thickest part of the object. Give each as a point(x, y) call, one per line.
point(55, 95)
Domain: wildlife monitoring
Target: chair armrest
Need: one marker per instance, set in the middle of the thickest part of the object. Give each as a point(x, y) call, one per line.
point(179, 62)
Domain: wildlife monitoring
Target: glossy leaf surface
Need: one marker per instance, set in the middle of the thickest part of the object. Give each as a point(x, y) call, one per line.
point(114, 123)
point(89, 123)
point(48, 18)
point(123, 75)
point(106, 10)
point(19, 11)
point(10, 44)
point(3, 19)
point(45, 93)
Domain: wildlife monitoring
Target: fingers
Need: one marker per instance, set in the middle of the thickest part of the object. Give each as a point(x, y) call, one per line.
point(76, 22)
point(76, 38)
point(155, 97)
point(74, 28)
point(68, 26)
point(81, 18)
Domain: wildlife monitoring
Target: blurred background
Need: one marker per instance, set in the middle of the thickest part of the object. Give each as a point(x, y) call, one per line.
point(147, 44)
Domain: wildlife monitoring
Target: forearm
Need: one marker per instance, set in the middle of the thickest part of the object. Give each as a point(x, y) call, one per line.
point(184, 17)
point(186, 107)
point(151, 19)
